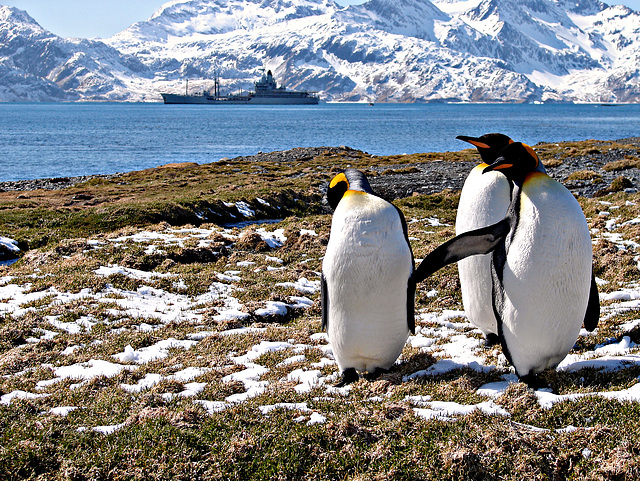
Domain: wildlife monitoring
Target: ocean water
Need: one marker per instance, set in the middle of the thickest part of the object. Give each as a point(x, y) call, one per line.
point(39, 140)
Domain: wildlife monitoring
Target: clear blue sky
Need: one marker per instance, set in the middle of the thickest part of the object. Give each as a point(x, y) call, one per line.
point(103, 18)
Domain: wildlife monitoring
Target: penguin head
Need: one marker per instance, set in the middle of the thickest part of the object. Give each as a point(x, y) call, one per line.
point(488, 145)
point(515, 161)
point(350, 179)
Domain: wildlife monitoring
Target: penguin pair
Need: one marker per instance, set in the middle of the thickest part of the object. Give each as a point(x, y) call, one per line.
point(368, 284)
point(537, 288)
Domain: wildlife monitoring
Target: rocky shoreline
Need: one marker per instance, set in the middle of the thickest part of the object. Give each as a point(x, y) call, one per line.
point(584, 175)
point(429, 177)
point(56, 183)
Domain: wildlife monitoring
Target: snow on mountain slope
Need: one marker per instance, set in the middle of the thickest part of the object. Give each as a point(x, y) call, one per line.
point(383, 50)
point(412, 18)
point(187, 18)
point(38, 65)
point(530, 35)
point(346, 54)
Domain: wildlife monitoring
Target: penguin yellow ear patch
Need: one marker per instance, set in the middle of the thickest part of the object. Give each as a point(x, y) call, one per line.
point(337, 188)
point(337, 179)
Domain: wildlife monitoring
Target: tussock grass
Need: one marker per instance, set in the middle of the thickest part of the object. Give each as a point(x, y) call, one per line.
point(585, 175)
point(628, 163)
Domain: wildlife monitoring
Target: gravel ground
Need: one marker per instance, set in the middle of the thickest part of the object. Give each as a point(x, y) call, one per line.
point(431, 177)
point(56, 183)
point(422, 178)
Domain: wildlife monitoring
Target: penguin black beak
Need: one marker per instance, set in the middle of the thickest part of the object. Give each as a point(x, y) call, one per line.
point(500, 164)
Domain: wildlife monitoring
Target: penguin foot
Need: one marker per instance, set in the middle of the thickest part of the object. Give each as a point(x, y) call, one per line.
point(534, 381)
point(348, 376)
point(491, 340)
point(372, 376)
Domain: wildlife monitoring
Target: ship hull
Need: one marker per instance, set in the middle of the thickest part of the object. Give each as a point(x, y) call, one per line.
point(238, 100)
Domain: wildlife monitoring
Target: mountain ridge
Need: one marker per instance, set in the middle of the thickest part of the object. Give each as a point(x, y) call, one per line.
point(382, 50)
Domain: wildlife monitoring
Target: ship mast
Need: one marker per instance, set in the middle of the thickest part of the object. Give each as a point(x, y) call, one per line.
point(216, 82)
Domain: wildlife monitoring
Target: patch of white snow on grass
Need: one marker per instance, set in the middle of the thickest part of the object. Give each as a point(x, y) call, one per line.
point(105, 271)
point(273, 239)
point(245, 209)
point(7, 398)
point(62, 411)
point(159, 350)
point(302, 285)
point(213, 407)
point(445, 411)
point(316, 418)
point(83, 324)
point(273, 308)
point(85, 371)
point(143, 384)
point(106, 430)
point(307, 379)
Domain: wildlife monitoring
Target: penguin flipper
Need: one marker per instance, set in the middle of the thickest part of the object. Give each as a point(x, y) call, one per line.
point(411, 306)
point(324, 301)
point(479, 241)
point(592, 316)
point(411, 285)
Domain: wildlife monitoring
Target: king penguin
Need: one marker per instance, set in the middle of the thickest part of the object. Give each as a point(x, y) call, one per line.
point(484, 200)
point(367, 292)
point(542, 279)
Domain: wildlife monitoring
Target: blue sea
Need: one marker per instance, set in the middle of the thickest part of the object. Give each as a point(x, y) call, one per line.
point(39, 140)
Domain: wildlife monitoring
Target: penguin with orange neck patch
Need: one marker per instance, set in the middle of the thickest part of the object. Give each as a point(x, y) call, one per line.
point(542, 287)
point(367, 291)
point(542, 278)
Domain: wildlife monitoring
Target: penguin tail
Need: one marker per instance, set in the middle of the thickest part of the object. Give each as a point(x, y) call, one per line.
point(592, 316)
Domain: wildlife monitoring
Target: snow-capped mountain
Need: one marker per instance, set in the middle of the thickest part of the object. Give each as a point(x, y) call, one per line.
point(178, 19)
point(36, 65)
point(383, 50)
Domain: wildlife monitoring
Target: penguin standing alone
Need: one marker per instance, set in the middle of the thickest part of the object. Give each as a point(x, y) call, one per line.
point(367, 291)
point(543, 284)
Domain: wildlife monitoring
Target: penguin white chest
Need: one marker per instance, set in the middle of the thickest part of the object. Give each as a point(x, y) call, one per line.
point(367, 266)
point(484, 200)
point(546, 278)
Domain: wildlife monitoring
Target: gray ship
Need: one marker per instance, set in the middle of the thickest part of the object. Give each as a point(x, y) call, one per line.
point(266, 93)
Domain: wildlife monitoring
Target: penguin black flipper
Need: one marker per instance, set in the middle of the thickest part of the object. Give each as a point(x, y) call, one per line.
point(479, 241)
point(592, 316)
point(411, 284)
point(411, 306)
point(324, 302)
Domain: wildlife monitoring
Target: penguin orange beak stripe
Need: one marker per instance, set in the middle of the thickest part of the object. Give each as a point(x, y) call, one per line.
point(499, 164)
point(502, 166)
point(479, 144)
